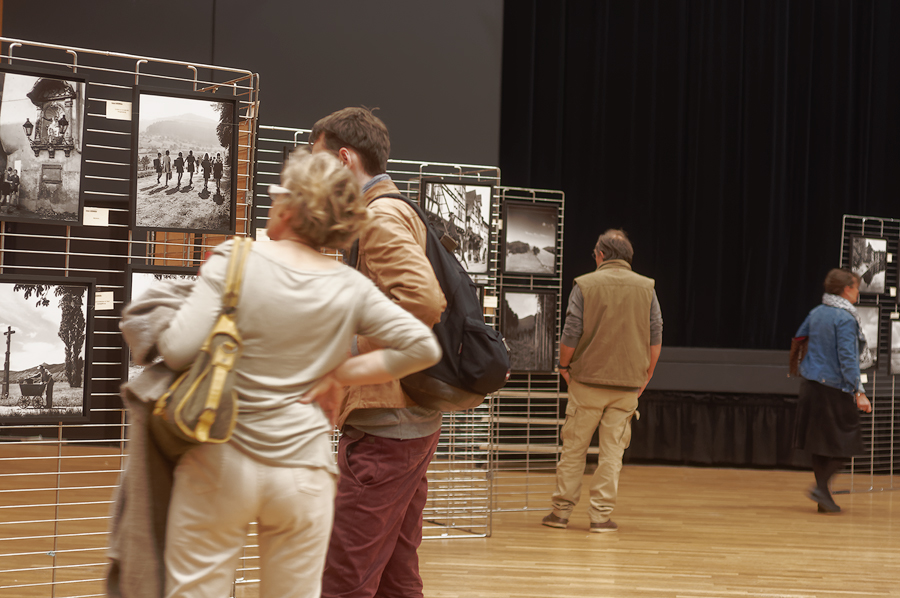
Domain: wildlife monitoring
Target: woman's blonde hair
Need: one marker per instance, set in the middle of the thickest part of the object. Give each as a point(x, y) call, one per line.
point(325, 202)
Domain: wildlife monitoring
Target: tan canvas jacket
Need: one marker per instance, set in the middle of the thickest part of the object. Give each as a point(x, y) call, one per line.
point(392, 255)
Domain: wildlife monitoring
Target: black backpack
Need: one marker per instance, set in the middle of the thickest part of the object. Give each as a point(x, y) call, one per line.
point(475, 360)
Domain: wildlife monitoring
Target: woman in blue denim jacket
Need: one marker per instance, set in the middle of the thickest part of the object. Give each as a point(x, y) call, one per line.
point(827, 422)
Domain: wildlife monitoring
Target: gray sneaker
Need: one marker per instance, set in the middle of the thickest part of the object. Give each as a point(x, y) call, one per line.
point(607, 526)
point(552, 520)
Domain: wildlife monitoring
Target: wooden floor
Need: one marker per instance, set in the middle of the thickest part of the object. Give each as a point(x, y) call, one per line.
point(685, 533)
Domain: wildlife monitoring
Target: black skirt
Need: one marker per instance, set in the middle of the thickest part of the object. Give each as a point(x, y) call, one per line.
point(827, 422)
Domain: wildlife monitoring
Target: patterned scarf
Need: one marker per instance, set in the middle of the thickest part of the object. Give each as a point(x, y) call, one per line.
point(866, 358)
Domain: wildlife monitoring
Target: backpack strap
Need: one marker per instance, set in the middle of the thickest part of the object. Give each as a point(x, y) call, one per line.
point(446, 240)
point(353, 260)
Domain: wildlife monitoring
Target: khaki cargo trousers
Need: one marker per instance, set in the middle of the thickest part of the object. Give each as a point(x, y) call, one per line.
point(591, 407)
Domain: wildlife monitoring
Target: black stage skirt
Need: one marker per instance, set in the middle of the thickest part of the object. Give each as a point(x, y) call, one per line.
point(827, 422)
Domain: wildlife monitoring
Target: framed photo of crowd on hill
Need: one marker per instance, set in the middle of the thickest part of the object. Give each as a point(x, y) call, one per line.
point(528, 323)
point(46, 324)
point(184, 161)
point(530, 231)
point(868, 260)
point(461, 210)
point(138, 280)
point(41, 146)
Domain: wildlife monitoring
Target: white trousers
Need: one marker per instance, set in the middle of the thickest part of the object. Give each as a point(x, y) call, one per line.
point(218, 492)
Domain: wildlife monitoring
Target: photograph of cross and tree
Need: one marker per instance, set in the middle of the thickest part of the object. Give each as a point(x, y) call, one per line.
point(45, 326)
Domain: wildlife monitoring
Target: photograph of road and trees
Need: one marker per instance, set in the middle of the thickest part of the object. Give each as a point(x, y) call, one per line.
point(530, 234)
point(528, 323)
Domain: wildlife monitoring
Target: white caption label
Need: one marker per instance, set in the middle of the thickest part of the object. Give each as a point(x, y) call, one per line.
point(863, 378)
point(893, 291)
point(103, 301)
point(490, 302)
point(96, 217)
point(261, 234)
point(118, 110)
point(895, 315)
point(890, 258)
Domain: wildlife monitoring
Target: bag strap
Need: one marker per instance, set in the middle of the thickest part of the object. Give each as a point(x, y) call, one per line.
point(449, 243)
point(235, 275)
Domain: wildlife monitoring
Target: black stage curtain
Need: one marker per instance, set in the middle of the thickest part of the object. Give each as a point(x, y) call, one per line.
point(715, 429)
point(726, 137)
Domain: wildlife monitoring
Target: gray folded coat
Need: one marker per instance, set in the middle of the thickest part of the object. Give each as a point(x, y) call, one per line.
point(141, 502)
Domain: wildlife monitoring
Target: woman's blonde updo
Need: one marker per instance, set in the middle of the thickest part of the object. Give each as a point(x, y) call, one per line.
point(325, 202)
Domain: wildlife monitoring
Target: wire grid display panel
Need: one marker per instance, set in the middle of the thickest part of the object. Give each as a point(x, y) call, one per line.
point(525, 416)
point(57, 478)
point(877, 469)
point(459, 478)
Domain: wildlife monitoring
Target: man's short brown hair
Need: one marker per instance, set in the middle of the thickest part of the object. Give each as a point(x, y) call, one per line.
point(359, 129)
point(838, 279)
point(615, 245)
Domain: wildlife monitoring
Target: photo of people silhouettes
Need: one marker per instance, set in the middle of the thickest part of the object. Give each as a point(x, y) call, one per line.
point(183, 178)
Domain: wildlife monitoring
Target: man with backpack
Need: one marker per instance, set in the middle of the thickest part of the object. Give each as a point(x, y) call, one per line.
point(608, 350)
point(387, 439)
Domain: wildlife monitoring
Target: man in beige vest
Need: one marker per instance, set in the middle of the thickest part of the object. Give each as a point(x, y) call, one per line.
point(609, 348)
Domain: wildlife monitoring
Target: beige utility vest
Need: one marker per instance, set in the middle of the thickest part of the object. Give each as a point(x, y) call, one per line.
point(614, 349)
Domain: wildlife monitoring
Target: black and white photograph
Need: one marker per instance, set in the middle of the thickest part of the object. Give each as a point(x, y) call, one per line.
point(461, 211)
point(868, 260)
point(184, 164)
point(528, 323)
point(41, 146)
point(529, 235)
point(139, 280)
point(868, 315)
point(895, 347)
point(46, 326)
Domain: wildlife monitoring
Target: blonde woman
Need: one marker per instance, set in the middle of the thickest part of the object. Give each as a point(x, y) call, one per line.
point(298, 314)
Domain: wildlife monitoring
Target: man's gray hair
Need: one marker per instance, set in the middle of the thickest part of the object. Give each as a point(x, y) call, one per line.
point(615, 245)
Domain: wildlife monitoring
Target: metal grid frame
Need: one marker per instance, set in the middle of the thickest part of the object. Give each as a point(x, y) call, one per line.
point(877, 470)
point(57, 481)
point(459, 478)
point(525, 417)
